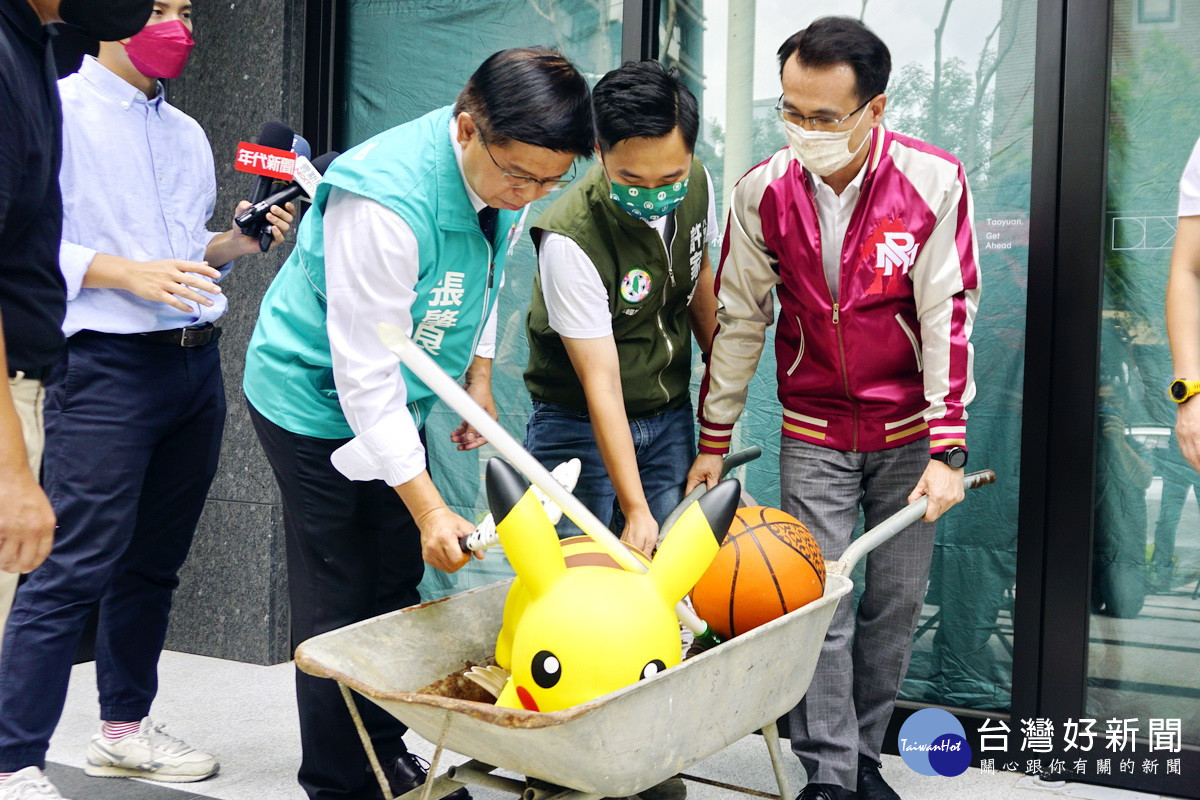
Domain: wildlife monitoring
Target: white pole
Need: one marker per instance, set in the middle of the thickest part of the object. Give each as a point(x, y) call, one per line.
point(457, 398)
point(739, 92)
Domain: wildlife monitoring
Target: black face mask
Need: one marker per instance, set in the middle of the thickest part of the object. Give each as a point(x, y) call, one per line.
point(107, 20)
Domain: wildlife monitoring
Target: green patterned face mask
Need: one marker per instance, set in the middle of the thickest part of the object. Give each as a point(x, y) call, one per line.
point(648, 204)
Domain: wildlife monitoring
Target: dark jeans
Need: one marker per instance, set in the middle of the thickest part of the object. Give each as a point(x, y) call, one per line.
point(133, 431)
point(664, 444)
point(353, 553)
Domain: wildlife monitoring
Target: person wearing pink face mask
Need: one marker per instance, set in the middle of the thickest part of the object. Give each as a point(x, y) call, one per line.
point(134, 410)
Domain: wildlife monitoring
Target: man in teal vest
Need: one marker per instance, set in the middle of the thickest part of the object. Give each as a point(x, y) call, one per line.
point(411, 227)
point(623, 284)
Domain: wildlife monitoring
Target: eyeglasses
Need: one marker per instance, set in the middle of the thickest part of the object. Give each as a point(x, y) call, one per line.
point(823, 124)
point(524, 181)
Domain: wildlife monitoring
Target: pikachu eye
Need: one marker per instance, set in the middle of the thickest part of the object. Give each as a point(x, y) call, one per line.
point(546, 669)
point(652, 669)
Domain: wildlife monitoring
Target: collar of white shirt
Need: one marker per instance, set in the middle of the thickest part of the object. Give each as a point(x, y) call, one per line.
point(848, 196)
point(476, 202)
point(112, 87)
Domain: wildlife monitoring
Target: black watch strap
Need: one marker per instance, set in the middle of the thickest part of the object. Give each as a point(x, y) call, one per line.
point(955, 457)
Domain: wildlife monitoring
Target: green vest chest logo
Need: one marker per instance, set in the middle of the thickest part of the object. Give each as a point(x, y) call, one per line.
point(442, 313)
point(636, 285)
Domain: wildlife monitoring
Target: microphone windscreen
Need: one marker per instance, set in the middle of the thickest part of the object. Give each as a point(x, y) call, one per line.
point(276, 134)
point(322, 162)
point(301, 147)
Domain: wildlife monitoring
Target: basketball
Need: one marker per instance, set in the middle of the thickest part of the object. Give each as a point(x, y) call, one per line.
point(768, 565)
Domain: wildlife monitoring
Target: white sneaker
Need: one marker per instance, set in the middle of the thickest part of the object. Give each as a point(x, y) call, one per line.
point(29, 784)
point(150, 753)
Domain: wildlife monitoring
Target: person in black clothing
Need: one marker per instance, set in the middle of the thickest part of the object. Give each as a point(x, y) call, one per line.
point(32, 291)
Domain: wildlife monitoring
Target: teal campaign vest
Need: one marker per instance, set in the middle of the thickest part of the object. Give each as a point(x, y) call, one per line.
point(411, 170)
point(648, 295)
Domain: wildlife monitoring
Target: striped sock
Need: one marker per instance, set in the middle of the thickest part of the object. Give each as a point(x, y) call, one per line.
point(5, 776)
point(118, 730)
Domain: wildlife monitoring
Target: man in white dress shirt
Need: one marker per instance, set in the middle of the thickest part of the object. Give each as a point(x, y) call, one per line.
point(134, 410)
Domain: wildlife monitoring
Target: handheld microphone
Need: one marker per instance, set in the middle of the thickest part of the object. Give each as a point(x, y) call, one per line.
point(298, 188)
point(300, 147)
point(279, 136)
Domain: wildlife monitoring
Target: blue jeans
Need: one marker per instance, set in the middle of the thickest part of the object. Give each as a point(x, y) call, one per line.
point(663, 444)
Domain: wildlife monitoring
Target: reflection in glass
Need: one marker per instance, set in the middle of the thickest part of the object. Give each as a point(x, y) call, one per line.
point(1144, 660)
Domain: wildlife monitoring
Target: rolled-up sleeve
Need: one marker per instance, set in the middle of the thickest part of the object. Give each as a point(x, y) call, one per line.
point(74, 260)
point(371, 267)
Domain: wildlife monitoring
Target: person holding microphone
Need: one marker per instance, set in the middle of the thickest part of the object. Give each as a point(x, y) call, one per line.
point(410, 227)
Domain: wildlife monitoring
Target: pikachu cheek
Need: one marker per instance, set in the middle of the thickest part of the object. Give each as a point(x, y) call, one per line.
point(527, 701)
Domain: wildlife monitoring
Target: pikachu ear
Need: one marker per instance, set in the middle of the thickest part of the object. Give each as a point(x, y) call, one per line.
point(524, 529)
point(692, 543)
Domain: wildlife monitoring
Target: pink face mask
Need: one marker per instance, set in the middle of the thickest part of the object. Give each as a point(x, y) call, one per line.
point(161, 50)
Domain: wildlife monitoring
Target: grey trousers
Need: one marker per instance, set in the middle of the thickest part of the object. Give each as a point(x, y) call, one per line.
point(845, 712)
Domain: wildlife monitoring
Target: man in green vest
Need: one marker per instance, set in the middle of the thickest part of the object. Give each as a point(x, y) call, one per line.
point(411, 227)
point(623, 285)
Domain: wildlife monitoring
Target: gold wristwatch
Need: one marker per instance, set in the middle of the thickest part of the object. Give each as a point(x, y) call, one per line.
point(1181, 389)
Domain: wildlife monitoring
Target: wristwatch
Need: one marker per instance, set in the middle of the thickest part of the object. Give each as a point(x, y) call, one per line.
point(956, 457)
point(1181, 389)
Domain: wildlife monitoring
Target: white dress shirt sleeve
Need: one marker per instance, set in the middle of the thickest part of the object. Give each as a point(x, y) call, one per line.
point(486, 348)
point(73, 261)
point(576, 300)
point(371, 265)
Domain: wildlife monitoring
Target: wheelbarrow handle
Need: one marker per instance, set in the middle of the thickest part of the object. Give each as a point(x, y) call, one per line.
point(896, 523)
point(729, 463)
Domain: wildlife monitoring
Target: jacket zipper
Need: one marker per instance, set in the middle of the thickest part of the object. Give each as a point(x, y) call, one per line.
point(837, 315)
point(662, 329)
point(846, 377)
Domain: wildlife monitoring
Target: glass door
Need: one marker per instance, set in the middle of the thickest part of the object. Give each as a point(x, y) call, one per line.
point(1143, 677)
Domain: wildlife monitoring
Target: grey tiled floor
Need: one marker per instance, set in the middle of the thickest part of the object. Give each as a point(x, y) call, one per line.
point(245, 714)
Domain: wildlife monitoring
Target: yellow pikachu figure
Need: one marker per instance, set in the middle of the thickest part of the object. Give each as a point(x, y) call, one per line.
point(572, 635)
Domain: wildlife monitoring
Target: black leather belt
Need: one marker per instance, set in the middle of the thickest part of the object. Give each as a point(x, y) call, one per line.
point(193, 336)
point(36, 374)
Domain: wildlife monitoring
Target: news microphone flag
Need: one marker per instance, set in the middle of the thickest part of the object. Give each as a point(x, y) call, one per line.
point(269, 162)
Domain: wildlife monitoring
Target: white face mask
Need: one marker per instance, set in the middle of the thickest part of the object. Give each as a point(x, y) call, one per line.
point(822, 153)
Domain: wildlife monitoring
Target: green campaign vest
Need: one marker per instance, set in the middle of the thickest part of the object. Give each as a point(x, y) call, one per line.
point(648, 295)
point(410, 169)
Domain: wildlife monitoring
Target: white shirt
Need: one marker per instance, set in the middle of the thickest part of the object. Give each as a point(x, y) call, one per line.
point(137, 182)
point(371, 263)
point(833, 214)
point(1189, 186)
point(576, 300)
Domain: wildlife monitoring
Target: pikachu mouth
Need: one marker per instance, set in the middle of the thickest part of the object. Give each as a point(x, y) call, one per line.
point(527, 701)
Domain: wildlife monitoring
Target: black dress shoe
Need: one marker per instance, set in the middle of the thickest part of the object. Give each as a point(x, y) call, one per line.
point(825, 791)
point(871, 785)
point(406, 772)
point(671, 789)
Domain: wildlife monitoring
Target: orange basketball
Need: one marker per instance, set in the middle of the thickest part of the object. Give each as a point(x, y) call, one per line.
point(768, 565)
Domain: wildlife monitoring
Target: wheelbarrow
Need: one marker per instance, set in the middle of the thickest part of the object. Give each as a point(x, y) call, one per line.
point(614, 746)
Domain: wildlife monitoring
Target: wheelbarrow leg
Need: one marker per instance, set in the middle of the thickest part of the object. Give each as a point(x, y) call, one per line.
point(384, 786)
point(770, 734)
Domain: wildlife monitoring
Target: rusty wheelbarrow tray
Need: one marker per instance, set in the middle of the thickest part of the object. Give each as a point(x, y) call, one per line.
point(614, 746)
